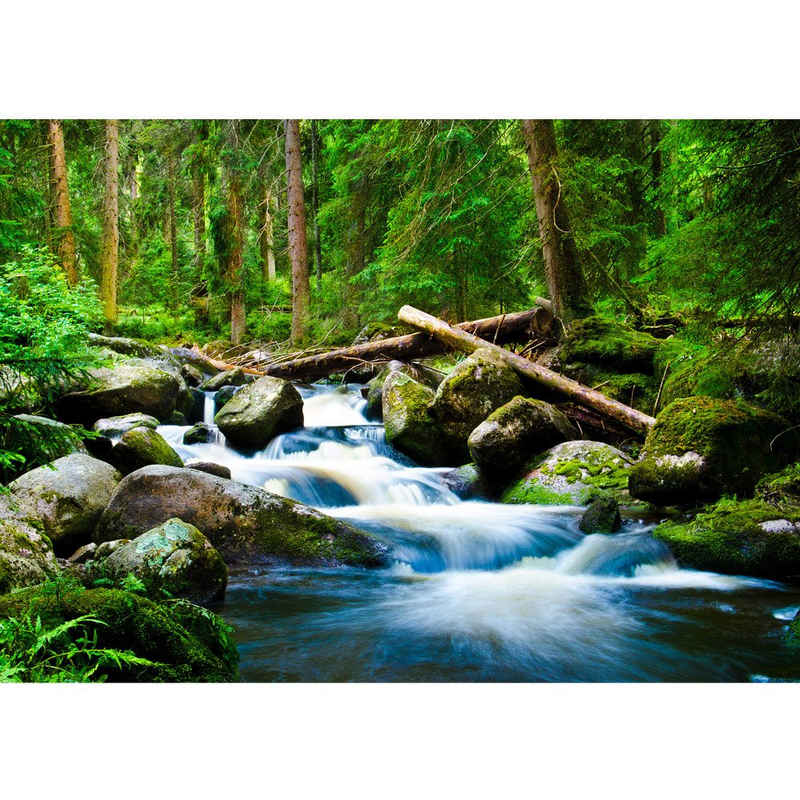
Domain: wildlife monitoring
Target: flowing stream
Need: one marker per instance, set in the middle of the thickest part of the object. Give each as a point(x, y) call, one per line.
point(478, 591)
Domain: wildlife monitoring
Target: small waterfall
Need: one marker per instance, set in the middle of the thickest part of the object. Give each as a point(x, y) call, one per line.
point(208, 408)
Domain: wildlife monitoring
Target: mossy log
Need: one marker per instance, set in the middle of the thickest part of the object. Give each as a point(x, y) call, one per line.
point(574, 391)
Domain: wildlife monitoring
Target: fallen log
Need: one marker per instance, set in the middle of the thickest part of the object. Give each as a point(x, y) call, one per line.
point(574, 391)
point(504, 329)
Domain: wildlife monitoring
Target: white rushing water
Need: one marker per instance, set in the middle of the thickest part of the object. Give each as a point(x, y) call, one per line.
point(519, 583)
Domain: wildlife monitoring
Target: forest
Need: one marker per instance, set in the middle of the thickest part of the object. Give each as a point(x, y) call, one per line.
point(435, 388)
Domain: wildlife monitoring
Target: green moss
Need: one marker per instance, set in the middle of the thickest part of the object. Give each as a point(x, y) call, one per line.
point(132, 623)
point(596, 340)
point(529, 491)
point(781, 488)
point(728, 538)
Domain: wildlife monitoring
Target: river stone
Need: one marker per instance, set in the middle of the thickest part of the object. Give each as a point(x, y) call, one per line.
point(139, 447)
point(408, 422)
point(701, 448)
point(223, 395)
point(744, 537)
point(26, 554)
point(572, 473)
point(233, 377)
point(116, 426)
point(174, 557)
point(243, 522)
point(259, 412)
point(474, 389)
point(66, 497)
point(83, 553)
point(192, 375)
point(504, 442)
point(210, 467)
point(199, 434)
point(121, 390)
point(602, 516)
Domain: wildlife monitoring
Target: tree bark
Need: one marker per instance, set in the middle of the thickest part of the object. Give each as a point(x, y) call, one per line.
point(199, 219)
point(267, 238)
point(109, 259)
point(173, 227)
point(235, 247)
point(297, 231)
point(504, 328)
point(574, 391)
point(565, 281)
point(315, 200)
point(64, 238)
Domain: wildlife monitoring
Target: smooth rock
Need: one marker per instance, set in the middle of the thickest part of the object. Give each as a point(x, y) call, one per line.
point(142, 446)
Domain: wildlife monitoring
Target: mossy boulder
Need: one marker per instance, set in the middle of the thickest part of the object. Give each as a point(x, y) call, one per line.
point(126, 346)
point(408, 422)
point(26, 553)
point(475, 388)
point(572, 473)
point(602, 515)
point(701, 448)
point(116, 426)
point(259, 412)
point(121, 390)
point(781, 488)
point(232, 377)
point(599, 341)
point(66, 497)
point(505, 441)
point(174, 557)
point(746, 537)
point(466, 482)
point(199, 434)
point(373, 391)
point(141, 446)
point(243, 522)
point(184, 642)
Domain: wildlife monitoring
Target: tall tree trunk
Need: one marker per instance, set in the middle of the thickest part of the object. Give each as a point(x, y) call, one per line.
point(656, 167)
point(297, 231)
point(199, 208)
point(315, 200)
point(235, 246)
point(63, 236)
point(173, 228)
point(109, 258)
point(267, 238)
point(565, 279)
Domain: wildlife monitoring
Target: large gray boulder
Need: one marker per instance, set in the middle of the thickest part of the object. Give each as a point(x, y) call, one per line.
point(259, 412)
point(173, 557)
point(116, 426)
point(701, 448)
point(121, 390)
point(408, 422)
point(126, 346)
point(141, 446)
point(475, 387)
point(507, 439)
point(66, 497)
point(243, 522)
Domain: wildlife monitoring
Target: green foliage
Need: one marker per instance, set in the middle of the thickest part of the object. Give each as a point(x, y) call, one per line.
point(59, 651)
point(44, 325)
